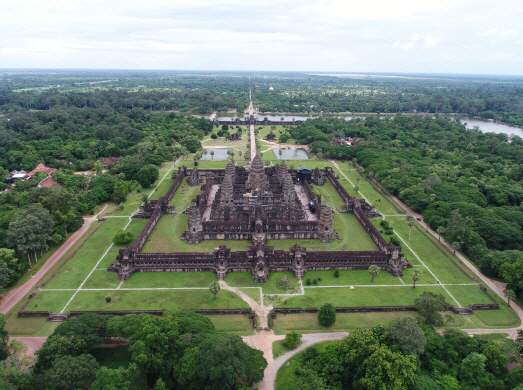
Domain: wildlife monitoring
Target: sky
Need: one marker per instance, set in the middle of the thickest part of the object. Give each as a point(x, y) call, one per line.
point(405, 36)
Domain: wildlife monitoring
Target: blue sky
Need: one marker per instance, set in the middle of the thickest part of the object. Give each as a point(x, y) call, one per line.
point(459, 36)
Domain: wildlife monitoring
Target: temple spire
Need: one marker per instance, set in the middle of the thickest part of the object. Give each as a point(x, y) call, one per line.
point(257, 179)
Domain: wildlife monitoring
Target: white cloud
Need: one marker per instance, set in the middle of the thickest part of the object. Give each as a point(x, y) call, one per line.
point(407, 45)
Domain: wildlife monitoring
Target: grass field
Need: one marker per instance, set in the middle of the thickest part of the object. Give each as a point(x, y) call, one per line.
point(184, 195)
point(177, 290)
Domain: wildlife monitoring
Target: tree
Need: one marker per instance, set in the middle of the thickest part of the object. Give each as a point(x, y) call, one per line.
point(30, 230)
point(432, 181)
point(56, 347)
point(71, 373)
point(440, 231)
point(123, 237)
point(456, 245)
point(214, 288)
point(5, 276)
point(416, 275)
point(406, 334)
point(385, 369)
point(472, 369)
point(292, 340)
point(227, 363)
point(147, 175)
point(510, 295)
point(212, 154)
point(356, 189)
point(112, 379)
point(429, 306)
point(120, 191)
point(90, 327)
point(4, 339)
point(280, 152)
point(327, 314)
point(374, 270)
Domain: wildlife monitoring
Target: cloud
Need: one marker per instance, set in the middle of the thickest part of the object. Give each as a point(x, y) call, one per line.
point(494, 32)
point(431, 40)
point(407, 45)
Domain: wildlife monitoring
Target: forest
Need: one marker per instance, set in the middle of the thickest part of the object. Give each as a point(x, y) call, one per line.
point(179, 350)
point(32, 219)
point(467, 184)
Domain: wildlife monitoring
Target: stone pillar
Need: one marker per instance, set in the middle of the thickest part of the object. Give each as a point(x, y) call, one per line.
point(325, 231)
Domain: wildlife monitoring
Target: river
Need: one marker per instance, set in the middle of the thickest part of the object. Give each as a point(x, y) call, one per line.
point(485, 126)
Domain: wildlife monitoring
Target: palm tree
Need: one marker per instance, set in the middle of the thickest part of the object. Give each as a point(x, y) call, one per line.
point(510, 295)
point(280, 152)
point(374, 270)
point(214, 288)
point(456, 246)
point(416, 275)
point(440, 231)
point(356, 189)
point(212, 154)
point(240, 154)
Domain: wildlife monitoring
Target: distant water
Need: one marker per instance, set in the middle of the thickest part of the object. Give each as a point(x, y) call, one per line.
point(219, 154)
point(291, 154)
point(484, 125)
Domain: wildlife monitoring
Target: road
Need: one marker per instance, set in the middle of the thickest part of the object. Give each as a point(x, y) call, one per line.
point(272, 369)
point(13, 296)
point(251, 127)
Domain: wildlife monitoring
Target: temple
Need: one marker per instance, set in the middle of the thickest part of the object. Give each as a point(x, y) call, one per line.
point(258, 203)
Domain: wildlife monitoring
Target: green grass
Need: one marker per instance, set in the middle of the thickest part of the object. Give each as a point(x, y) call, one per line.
point(50, 301)
point(166, 238)
point(162, 189)
point(352, 235)
point(382, 204)
point(360, 296)
point(308, 322)
point(330, 195)
point(467, 295)
point(112, 357)
point(184, 195)
point(76, 269)
point(244, 279)
point(102, 278)
point(507, 346)
point(239, 324)
point(170, 279)
point(253, 293)
point(438, 263)
point(30, 326)
point(279, 349)
point(285, 376)
point(350, 278)
point(155, 300)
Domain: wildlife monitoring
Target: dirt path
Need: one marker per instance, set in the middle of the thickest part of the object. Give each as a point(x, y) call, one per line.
point(12, 297)
point(272, 369)
point(33, 343)
point(260, 309)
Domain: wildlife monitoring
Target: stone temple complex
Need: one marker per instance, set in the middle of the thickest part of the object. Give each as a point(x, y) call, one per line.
point(256, 204)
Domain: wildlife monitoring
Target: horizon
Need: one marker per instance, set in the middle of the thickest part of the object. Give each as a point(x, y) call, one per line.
point(328, 36)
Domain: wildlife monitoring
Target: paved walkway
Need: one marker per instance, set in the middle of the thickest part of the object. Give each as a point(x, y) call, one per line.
point(13, 296)
point(272, 369)
point(251, 128)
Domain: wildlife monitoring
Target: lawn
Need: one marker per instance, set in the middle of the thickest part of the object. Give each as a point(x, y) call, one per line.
point(360, 296)
point(330, 195)
point(285, 376)
point(239, 324)
point(30, 326)
point(53, 301)
point(76, 269)
point(170, 279)
point(279, 349)
point(351, 278)
point(428, 252)
point(155, 300)
point(244, 279)
point(184, 195)
point(382, 204)
point(308, 322)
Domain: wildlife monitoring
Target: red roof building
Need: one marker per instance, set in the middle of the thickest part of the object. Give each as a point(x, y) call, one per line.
point(42, 168)
point(48, 182)
point(105, 161)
